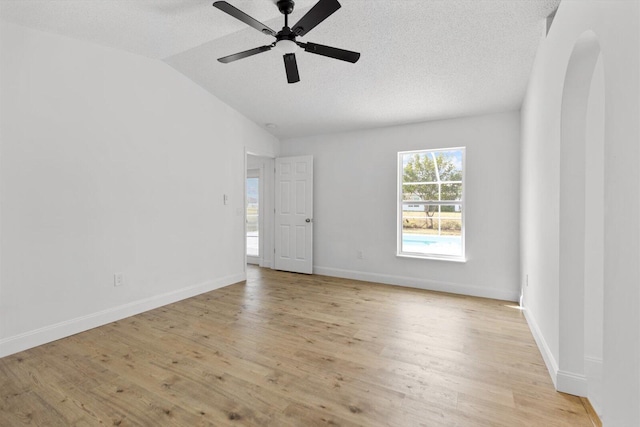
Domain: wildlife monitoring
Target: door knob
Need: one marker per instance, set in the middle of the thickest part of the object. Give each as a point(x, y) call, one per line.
point(307, 220)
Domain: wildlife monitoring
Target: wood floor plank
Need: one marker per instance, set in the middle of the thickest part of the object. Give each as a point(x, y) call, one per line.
point(285, 349)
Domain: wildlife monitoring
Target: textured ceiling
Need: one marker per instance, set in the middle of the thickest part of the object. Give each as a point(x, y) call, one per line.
point(421, 59)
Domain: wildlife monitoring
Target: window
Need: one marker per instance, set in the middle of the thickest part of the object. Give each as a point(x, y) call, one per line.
point(431, 204)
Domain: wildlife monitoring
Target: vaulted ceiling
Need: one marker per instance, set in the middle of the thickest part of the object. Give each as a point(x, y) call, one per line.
point(420, 59)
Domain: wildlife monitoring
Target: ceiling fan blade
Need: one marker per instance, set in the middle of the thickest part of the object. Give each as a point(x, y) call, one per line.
point(318, 13)
point(240, 55)
point(291, 66)
point(331, 52)
point(240, 15)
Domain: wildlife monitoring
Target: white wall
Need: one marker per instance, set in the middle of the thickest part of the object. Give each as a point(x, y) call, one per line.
point(111, 163)
point(615, 24)
point(355, 197)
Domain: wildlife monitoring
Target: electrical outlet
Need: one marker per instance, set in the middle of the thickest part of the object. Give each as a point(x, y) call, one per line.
point(118, 279)
point(360, 255)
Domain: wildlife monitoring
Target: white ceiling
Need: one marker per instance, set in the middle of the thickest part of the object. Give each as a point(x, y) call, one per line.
point(420, 59)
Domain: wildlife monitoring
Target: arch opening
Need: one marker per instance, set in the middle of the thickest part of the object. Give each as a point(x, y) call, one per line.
point(581, 240)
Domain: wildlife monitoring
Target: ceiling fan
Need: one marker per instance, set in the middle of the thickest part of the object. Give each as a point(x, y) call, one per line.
point(286, 38)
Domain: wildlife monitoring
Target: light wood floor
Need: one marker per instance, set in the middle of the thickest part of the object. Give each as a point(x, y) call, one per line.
point(292, 350)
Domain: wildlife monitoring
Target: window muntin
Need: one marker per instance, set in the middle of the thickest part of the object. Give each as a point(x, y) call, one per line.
point(431, 203)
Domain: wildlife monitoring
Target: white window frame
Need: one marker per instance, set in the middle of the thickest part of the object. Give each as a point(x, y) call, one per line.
point(461, 202)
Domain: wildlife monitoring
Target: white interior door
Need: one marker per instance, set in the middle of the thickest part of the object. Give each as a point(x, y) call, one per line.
point(294, 214)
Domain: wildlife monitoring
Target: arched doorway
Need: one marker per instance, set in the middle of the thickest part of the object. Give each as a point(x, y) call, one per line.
point(581, 242)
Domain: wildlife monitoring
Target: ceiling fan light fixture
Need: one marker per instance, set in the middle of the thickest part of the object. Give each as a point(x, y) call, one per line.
point(286, 46)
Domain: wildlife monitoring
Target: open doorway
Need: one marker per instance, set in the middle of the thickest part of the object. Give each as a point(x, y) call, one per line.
point(294, 199)
point(259, 205)
point(253, 216)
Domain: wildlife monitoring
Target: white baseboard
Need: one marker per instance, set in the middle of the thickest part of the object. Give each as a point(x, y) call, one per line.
point(593, 369)
point(547, 356)
point(564, 381)
point(413, 282)
point(70, 327)
point(266, 263)
point(572, 383)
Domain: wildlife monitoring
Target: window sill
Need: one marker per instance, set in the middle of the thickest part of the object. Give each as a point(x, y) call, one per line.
point(433, 257)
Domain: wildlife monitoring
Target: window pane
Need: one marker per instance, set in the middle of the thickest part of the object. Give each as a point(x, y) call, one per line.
point(416, 192)
point(449, 165)
point(451, 192)
point(418, 167)
point(432, 230)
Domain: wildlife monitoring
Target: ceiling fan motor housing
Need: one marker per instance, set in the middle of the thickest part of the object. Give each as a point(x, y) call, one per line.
point(285, 6)
point(285, 34)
